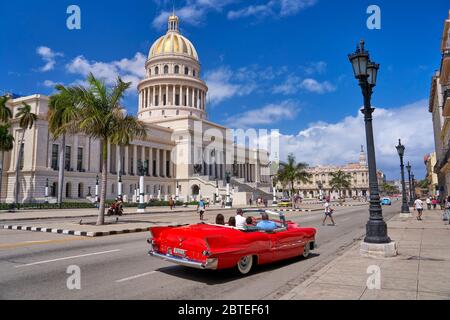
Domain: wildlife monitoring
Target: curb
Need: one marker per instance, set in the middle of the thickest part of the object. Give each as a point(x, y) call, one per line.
point(73, 232)
point(299, 210)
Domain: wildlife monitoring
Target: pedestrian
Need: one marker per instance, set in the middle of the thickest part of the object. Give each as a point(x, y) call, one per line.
point(434, 202)
point(418, 205)
point(201, 208)
point(265, 203)
point(250, 200)
point(222, 203)
point(428, 201)
point(446, 214)
point(171, 204)
point(328, 213)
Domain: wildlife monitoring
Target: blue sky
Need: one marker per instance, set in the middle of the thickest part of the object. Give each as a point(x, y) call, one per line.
point(278, 64)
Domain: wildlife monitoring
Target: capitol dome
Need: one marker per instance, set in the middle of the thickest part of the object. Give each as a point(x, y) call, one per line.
point(173, 42)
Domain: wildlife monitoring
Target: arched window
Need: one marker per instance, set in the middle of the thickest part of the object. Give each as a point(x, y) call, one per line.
point(177, 69)
point(166, 69)
point(156, 70)
point(186, 70)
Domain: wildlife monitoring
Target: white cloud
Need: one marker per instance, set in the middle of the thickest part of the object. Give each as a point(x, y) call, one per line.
point(267, 115)
point(130, 70)
point(294, 84)
point(339, 143)
point(276, 8)
point(224, 84)
point(49, 57)
point(50, 83)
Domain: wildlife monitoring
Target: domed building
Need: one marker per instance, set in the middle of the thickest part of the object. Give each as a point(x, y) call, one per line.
point(186, 156)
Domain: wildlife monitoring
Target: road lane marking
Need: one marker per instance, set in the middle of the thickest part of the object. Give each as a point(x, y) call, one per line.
point(136, 276)
point(30, 243)
point(67, 258)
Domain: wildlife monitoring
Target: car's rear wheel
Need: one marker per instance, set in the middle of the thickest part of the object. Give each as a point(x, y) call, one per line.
point(306, 250)
point(245, 264)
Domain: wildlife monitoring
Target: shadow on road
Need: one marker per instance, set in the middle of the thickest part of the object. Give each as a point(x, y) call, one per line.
point(217, 277)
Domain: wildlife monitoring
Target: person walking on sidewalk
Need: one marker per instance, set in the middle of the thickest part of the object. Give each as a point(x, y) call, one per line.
point(434, 202)
point(428, 201)
point(446, 214)
point(328, 213)
point(418, 205)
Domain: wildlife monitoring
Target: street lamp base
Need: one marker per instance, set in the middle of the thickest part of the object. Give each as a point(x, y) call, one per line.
point(376, 250)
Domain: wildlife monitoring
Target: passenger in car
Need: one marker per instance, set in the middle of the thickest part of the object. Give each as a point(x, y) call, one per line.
point(250, 222)
point(265, 224)
point(232, 222)
point(220, 219)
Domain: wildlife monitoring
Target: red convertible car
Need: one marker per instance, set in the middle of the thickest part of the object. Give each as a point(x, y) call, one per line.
point(211, 246)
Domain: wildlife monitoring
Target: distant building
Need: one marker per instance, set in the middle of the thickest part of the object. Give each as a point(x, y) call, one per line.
point(439, 106)
point(321, 177)
point(432, 178)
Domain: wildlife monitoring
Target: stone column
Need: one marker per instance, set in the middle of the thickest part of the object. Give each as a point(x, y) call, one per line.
point(158, 171)
point(135, 171)
point(173, 95)
point(192, 97)
point(108, 166)
point(167, 94)
point(127, 163)
point(164, 166)
point(150, 161)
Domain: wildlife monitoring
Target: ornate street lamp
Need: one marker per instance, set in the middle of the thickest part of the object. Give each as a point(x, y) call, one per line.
point(228, 204)
point(366, 73)
point(411, 198)
point(401, 153)
point(320, 186)
point(119, 186)
point(216, 194)
point(142, 169)
point(177, 192)
point(413, 192)
point(274, 191)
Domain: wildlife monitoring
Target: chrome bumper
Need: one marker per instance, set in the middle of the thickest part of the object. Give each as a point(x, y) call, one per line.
point(211, 264)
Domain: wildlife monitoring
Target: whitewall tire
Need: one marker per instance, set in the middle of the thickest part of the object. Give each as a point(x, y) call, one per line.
point(245, 264)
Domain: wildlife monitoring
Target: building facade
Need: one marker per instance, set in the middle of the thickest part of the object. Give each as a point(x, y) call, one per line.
point(432, 178)
point(439, 107)
point(187, 155)
point(321, 177)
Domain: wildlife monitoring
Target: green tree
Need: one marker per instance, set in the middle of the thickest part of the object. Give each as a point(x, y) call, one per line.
point(340, 180)
point(26, 121)
point(100, 115)
point(291, 172)
point(6, 145)
point(62, 118)
point(5, 112)
point(389, 189)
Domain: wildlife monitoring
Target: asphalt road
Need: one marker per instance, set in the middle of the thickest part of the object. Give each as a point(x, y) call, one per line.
point(34, 265)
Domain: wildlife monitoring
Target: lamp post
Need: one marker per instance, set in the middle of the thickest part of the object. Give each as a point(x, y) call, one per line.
point(119, 186)
point(413, 185)
point(177, 192)
point(401, 152)
point(46, 191)
point(320, 186)
point(274, 192)
point(96, 191)
point(216, 194)
point(228, 204)
point(142, 168)
point(376, 241)
point(411, 199)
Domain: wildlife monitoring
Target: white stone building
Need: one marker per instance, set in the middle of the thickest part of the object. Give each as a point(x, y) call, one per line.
point(182, 147)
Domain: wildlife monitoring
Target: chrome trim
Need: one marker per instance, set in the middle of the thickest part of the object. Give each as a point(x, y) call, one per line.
point(210, 264)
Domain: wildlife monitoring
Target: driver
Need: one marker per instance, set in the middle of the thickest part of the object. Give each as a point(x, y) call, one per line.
point(265, 224)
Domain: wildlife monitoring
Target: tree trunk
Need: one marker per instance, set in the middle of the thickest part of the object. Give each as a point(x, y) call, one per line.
point(1, 175)
point(19, 156)
point(101, 214)
point(62, 156)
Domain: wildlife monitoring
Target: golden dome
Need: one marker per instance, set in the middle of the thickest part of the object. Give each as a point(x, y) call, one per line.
point(173, 42)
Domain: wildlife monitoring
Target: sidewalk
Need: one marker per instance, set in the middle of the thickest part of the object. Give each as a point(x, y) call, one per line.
point(421, 271)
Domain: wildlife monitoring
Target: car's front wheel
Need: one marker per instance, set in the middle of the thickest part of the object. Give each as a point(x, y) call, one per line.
point(245, 264)
point(306, 250)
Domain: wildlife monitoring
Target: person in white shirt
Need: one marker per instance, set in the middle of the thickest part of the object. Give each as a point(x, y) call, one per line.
point(418, 205)
point(428, 201)
point(328, 213)
point(240, 220)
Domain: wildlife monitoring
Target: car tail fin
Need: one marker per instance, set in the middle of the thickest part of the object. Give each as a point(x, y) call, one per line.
point(156, 231)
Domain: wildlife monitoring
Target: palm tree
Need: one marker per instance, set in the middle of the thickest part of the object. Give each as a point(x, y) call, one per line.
point(26, 121)
point(127, 129)
point(62, 120)
point(6, 144)
point(340, 180)
point(291, 172)
point(100, 115)
point(5, 112)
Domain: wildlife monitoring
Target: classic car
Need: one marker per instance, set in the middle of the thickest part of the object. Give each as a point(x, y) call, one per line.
point(211, 246)
point(386, 201)
point(285, 203)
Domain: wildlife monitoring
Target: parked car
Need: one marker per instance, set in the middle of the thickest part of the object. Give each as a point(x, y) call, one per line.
point(211, 246)
point(386, 201)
